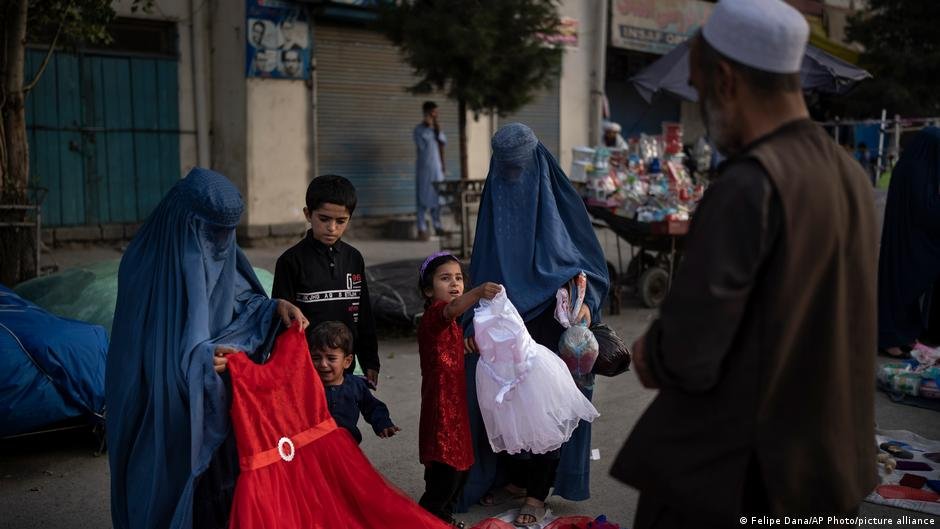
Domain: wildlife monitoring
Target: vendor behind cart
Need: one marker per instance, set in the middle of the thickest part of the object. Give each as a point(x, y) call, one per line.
point(762, 349)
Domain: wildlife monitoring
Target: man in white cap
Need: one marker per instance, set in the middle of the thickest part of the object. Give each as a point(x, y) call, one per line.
point(612, 137)
point(762, 352)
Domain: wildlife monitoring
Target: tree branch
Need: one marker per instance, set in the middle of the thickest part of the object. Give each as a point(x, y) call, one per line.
point(45, 61)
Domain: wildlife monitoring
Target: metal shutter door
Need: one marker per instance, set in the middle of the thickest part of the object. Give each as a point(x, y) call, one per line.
point(542, 115)
point(366, 118)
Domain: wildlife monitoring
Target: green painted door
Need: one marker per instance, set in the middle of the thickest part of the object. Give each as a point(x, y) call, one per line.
point(103, 135)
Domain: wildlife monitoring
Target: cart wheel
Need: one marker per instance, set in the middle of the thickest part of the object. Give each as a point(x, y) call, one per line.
point(653, 287)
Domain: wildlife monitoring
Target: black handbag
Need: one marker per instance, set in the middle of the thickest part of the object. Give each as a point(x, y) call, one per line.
point(613, 356)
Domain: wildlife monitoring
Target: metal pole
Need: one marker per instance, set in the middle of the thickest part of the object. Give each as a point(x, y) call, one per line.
point(38, 238)
point(600, 74)
point(897, 136)
point(314, 109)
point(881, 140)
point(198, 28)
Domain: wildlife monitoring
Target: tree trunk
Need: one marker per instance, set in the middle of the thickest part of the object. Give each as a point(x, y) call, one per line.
point(17, 250)
point(462, 125)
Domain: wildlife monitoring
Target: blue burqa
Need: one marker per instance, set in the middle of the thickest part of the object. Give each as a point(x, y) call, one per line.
point(909, 264)
point(184, 287)
point(533, 235)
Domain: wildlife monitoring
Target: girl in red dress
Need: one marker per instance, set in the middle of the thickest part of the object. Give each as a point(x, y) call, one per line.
point(445, 447)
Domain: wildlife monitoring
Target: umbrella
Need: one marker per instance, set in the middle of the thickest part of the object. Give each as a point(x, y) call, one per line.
point(820, 72)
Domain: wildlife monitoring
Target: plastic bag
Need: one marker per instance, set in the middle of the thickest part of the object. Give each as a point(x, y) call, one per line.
point(613, 355)
point(577, 346)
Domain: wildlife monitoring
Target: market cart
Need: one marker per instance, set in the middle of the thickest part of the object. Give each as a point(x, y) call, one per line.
point(655, 251)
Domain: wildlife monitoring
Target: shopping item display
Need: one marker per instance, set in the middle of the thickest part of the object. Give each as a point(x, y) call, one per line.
point(648, 182)
point(528, 399)
point(918, 377)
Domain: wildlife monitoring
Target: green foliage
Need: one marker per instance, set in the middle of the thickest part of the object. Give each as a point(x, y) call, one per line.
point(81, 21)
point(902, 52)
point(488, 54)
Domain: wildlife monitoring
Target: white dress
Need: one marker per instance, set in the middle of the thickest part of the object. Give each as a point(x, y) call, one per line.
point(528, 399)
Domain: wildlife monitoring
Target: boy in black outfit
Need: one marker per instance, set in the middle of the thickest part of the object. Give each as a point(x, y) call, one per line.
point(326, 277)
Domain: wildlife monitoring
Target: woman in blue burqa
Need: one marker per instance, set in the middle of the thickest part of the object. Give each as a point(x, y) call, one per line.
point(909, 264)
point(186, 297)
point(533, 235)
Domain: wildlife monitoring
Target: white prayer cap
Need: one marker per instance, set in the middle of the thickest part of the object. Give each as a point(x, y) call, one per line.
point(611, 126)
point(768, 35)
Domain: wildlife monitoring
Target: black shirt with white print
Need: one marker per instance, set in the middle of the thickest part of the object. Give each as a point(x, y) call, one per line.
point(328, 283)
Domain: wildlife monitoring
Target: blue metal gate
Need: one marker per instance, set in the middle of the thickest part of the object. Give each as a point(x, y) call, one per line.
point(103, 135)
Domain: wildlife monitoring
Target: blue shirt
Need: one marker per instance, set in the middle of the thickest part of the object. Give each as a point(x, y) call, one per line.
point(347, 400)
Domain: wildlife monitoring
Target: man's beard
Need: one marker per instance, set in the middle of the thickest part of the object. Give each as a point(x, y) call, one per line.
point(717, 128)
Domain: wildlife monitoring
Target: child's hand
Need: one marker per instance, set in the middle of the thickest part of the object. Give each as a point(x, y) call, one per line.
point(389, 432)
point(219, 360)
point(584, 315)
point(489, 290)
point(372, 379)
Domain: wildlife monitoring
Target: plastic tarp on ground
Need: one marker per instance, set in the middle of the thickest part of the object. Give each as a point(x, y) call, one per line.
point(89, 293)
point(393, 289)
point(51, 368)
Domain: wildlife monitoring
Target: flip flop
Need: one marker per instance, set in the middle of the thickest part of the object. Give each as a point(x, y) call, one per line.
point(500, 496)
point(896, 451)
point(536, 514)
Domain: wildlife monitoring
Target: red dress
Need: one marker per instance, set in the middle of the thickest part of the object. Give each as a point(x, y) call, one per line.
point(298, 470)
point(444, 430)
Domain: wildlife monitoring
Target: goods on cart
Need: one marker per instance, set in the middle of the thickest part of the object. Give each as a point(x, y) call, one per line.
point(646, 195)
point(648, 181)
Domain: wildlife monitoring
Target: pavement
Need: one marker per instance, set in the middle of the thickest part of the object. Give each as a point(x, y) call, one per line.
point(54, 481)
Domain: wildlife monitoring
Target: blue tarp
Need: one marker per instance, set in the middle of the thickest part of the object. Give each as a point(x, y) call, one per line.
point(51, 368)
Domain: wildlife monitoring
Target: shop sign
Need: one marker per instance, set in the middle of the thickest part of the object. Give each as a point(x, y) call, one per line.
point(655, 26)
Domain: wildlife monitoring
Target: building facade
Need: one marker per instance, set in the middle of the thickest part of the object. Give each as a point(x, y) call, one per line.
point(271, 94)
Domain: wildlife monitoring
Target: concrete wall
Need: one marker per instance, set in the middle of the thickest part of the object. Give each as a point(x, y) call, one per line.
point(228, 118)
point(577, 76)
point(479, 134)
point(177, 11)
point(278, 158)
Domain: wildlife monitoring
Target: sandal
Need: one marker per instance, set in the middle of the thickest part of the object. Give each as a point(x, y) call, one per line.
point(905, 353)
point(530, 515)
point(500, 496)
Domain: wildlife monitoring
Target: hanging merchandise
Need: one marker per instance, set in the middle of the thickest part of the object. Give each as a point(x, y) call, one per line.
point(528, 400)
point(577, 346)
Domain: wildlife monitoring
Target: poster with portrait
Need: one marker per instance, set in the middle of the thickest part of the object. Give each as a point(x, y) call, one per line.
point(277, 39)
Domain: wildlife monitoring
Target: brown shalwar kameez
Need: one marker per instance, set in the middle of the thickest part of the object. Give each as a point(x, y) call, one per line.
point(763, 348)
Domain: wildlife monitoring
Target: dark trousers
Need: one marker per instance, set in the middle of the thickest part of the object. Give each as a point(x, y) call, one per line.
point(534, 472)
point(214, 489)
point(655, 512)
point(443, 484)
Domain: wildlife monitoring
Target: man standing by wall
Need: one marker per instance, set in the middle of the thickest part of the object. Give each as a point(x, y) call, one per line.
point(762, 352)
point(430, 142)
